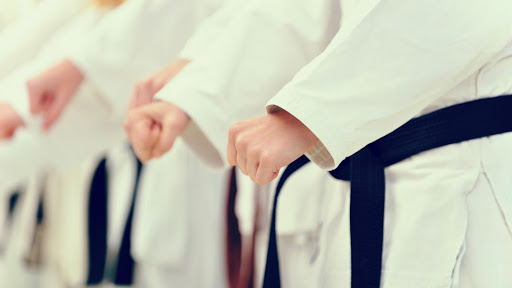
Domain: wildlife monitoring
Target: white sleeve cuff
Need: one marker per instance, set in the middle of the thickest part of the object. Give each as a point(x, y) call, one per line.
point(320, 156)
point(206, 134)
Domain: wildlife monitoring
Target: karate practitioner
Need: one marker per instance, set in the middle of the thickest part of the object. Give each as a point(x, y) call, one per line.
point(65, 258)
point(404, 59)
point(300, 235)
point(22, 40)
point(160, 267)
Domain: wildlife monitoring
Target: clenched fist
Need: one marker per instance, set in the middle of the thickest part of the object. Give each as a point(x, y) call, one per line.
point(262, 146)
point(152, 128)
point(50, 91)
point(146, 89)
point(10, 120)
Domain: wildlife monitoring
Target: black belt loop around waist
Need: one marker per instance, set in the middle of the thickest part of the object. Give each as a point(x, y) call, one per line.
point(97, 224)
point(365, 169)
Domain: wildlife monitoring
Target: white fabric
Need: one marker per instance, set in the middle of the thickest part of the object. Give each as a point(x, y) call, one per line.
point(31, 149)
point(402, 59)
point(249, 63)
point(238, 68)
point(145, 34)
point(30, 24)
point(12, 87)
point(66, 210)
point(247, 201)
point(470, 65)
point(164, 238)
point(20, 41)
point(13, 269)
point(10, 11)
point(67, 202)
point(123, 38)
point(414, 57)
point(122, 171)
point(179, 228)
point(209, 30)
point(64, 147)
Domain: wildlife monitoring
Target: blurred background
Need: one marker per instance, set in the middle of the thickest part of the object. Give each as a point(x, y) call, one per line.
point(73, 214)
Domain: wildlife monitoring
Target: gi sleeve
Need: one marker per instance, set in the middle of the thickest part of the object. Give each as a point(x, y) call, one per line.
point(401, 57)
point(261, 49)
point(133, 40)
point(210, 29)
point(21, 40)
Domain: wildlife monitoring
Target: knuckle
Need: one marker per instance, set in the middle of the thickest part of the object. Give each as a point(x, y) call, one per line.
point(241, 142)
point(265, 157)
point(253, 151)
point(171, 124)
point(132, 115)
point(235, 129)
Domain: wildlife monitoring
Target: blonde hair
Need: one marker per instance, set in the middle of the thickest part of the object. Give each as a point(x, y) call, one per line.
point(107, 3)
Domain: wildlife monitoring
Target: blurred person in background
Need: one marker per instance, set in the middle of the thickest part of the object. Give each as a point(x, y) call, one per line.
point(118, 52)
point(12, 10)
point(395, 61)
point(25, 39)
point(28, 44)
point(299, 230)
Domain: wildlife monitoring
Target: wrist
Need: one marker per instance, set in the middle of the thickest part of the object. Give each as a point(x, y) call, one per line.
point(309, 138)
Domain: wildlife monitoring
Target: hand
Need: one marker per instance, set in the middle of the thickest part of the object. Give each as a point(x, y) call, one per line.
point(262, 146)
point(50, 91)
point(146, 88)
point(153, 128)
point(10, 120)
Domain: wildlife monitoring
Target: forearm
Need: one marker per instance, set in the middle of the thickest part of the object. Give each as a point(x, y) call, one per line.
point(256, 55)
point(403, 56)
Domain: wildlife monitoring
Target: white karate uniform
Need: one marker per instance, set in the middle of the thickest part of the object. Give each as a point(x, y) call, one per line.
point(12, 10)
point(255, 57)
point(58, 27)
point(67, 210)
point(179, 224)
point(20, 234)
point(22, 40)
point(128, 36)
point(179, 228)
point(401, 60)
point(35, 23)
point(102, 49)
point(24, 33)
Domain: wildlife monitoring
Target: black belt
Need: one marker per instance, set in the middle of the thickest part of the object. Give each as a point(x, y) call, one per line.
point(99, 269)
point(365, 171)
point(97, 224)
